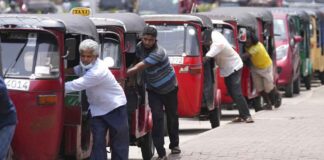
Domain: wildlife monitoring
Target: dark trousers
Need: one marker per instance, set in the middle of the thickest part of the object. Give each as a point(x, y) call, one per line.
point(117, 123)
point(170, 103)
point(233, 84)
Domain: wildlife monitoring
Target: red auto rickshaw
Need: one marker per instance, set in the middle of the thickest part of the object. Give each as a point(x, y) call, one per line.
point(183, 37)
point(118, 36)
point(36, 49)
point(258, 21)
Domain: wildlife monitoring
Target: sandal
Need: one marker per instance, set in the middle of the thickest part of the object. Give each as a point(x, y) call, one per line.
point(238, 119)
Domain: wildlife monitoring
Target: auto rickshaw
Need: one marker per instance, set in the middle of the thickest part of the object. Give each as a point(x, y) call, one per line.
point(36, 49)
point(183, 37)
point(306, 69)
point(230, 24)
point(259, 21)
point(118, 36)
point(317, 34)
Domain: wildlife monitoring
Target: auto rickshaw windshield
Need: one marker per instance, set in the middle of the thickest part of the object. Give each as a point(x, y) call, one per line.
point(29, 54)
point(228, 34)
point(178, 40)
point(280, 29)
point(110, 47)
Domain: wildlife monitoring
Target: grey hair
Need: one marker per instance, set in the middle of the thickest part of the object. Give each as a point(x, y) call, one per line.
point(89, 44)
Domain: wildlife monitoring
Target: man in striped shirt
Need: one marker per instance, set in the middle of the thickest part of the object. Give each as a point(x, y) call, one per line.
point(162, 87)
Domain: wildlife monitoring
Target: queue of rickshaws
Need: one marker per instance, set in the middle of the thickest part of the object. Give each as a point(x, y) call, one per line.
point(41, 47)
point(185, 38)
point(234, 25)
point(36, 49)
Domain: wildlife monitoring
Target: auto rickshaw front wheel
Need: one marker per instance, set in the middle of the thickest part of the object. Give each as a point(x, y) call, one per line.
point(147, 146)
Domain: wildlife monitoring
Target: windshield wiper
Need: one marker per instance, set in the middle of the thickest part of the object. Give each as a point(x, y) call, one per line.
point(16, 60)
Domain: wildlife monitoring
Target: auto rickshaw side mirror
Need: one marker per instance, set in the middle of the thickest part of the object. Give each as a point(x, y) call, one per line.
point(242, 35)
point(70, 47)
point(298, 39)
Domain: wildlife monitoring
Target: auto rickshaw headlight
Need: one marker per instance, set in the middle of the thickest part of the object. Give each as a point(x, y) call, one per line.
point(282, 51)
point(46, 100)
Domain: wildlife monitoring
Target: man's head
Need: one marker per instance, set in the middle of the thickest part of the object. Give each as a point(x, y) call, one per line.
point(149, 37)
point(88, 53)
point(251, 39)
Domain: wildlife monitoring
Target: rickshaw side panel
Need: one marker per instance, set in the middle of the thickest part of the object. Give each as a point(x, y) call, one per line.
point(35, 121)
point(189, 93)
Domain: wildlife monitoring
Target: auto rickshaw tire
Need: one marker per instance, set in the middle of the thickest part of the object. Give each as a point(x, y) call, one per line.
point(321, 77)
point(147, 146)
point(308, 82)
point(289, 90)
point(296, 86)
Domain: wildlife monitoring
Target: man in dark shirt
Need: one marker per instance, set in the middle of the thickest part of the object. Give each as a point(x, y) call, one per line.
point(8, 120)
point(162, 90)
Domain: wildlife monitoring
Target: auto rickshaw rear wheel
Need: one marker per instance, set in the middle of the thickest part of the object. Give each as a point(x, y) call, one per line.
point(289, 90)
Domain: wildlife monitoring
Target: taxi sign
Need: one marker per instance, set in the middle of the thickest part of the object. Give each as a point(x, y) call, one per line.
point(83, 11)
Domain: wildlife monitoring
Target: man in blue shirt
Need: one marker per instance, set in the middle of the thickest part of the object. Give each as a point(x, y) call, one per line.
point(107, 103)
point(162, 90)
point(8, 120)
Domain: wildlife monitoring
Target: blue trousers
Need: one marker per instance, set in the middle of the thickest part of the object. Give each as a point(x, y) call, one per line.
point(233, 84)
point(6, 135)
point(158, 104)
point(116, 122)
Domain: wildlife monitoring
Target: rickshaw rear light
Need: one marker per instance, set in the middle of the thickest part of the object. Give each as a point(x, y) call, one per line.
point(195, 70)
point(46, 100)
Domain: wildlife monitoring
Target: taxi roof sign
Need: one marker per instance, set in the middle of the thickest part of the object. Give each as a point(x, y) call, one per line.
point(83, 11)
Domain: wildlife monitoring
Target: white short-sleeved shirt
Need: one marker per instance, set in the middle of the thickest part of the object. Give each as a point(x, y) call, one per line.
point(103, 91)
point(225, 56)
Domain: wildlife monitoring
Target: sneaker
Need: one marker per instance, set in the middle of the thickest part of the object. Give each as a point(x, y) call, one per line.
point(238, 119)
point(175, 150)
point(249, 120)
point(162, 158)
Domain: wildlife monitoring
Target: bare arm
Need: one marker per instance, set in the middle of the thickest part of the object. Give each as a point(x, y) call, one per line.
point(69, 71)
point(245, 56)
point(138, 67)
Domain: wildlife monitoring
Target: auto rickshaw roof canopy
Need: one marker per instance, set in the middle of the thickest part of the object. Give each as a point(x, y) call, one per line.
point(197, 18)
point(67, 23)
point(243, 19)
point(257, 12)
point(299, 12)
point(130, 22)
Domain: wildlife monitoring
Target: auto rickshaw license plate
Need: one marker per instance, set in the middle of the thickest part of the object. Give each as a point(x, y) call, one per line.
point(17, 84)
point(176, 60)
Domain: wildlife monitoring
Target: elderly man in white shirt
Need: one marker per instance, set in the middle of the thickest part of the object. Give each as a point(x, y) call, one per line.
point(230, 64)
point(107, 102)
